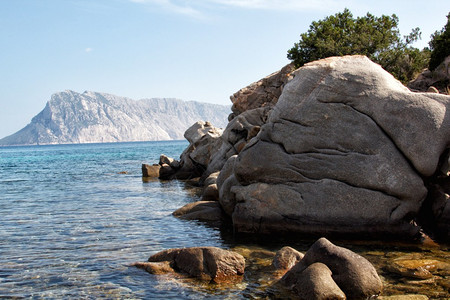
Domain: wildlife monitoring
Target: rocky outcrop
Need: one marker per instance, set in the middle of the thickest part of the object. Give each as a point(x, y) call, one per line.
point(205, 263)
point(263, 93)
point(90, 117)
point(203, 139)
point(209, 148)
point(433, 81)
point(344, 150)
point(331, 272)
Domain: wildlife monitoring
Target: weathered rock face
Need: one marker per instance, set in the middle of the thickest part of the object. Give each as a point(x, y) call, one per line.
point(344, 150)
point(263, 93)
point(432, 81)
point(236, 135)
point(326, 269)
point(205, 263)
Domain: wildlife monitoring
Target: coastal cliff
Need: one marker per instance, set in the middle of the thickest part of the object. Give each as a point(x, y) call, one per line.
point(91, 117)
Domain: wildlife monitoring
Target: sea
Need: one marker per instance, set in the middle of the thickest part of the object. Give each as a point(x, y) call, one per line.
point(74, 218)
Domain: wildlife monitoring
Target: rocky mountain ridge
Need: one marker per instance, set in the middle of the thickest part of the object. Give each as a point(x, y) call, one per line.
point(92, 117)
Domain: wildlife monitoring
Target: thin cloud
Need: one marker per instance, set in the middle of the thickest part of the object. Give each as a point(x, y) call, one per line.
point(203, 9)
point(283, 5)
point(87, 50)
point(178, 7)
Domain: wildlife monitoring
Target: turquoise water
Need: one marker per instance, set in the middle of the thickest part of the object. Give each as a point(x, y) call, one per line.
point(71, 224)
point(73, 218)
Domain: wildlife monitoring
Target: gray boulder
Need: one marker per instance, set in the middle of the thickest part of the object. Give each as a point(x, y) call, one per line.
point(344, 151)
point(354, 275)
point(316, 283)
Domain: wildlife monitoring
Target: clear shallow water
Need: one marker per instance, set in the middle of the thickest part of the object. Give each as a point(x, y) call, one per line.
point(70, 224)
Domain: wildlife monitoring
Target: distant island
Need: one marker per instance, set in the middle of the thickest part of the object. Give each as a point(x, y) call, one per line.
point(91, 117)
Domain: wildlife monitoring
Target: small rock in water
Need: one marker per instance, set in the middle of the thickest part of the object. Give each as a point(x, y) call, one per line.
point(414, 268)
point(286, 258)
point(150, 170)
point(205, 263)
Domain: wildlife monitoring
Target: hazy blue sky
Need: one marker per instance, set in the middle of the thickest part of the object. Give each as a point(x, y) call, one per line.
point(188, 49)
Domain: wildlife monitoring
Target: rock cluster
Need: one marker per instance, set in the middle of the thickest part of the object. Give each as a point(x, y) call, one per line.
point(345, 149)
point(203, 138)
point(325, 271)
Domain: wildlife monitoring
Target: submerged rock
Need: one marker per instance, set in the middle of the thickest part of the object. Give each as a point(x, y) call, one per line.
point(205, 263)
point(344, 151)
point(156, 268)
point(403, 297)
point(418, 268)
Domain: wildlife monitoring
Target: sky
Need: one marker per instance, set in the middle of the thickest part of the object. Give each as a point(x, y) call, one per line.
point(202, 50)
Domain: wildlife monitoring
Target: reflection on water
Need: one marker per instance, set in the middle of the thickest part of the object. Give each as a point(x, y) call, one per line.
point(71, 226)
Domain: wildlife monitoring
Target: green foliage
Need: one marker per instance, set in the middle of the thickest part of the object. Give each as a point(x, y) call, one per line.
point(440, 45)
point(376, 37)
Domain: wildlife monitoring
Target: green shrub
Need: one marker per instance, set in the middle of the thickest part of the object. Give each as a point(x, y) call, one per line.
point(440, 46)
point(376, 37)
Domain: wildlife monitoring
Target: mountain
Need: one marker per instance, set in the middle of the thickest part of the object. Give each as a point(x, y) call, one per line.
point(91, 117)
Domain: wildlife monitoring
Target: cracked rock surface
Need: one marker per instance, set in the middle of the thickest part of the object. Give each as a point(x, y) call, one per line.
point(345, 149)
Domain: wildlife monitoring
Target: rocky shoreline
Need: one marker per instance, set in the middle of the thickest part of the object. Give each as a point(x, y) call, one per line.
point(335, 148)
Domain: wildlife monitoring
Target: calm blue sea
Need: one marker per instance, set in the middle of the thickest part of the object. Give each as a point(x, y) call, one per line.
point(71, 224)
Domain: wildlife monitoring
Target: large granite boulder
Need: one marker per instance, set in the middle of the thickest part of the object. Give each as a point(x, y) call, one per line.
point(235, 136)
point(344, 150)
point(205, 263)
